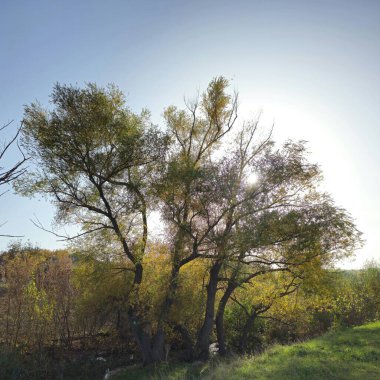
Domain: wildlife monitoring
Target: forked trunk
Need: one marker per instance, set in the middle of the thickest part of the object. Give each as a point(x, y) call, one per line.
point(141, 336)
point(151, 347)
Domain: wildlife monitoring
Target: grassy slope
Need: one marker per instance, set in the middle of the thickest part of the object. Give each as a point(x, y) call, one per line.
point(348, 354)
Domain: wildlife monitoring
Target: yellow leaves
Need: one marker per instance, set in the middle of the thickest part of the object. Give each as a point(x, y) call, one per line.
point(215, 100)
point(42, 307)
point(178, 120)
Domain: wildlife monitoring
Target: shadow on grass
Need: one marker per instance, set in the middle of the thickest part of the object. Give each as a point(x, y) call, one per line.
point(348, 354)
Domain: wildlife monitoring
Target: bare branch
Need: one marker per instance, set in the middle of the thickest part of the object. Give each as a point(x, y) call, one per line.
point(39, 225)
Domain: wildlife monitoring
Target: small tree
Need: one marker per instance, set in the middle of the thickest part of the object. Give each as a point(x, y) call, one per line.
point(10, 173)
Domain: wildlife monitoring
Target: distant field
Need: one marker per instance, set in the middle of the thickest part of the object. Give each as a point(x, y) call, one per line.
point(348, 354)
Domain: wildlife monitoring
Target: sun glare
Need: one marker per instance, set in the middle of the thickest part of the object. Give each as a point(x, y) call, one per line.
point(252, 179)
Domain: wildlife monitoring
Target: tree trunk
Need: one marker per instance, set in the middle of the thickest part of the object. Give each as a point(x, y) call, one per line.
point(157, 343)
point(142, 337)
point(204, 335)
point(219, 320)
point(151, 348)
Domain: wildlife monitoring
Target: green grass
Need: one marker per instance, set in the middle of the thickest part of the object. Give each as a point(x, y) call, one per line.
point(352, 353)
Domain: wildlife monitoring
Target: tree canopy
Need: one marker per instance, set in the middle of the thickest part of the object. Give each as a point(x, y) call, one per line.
point(107, 169)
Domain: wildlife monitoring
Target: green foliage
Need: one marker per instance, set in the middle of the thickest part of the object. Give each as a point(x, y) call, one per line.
point(42, 308)
point(342, 298)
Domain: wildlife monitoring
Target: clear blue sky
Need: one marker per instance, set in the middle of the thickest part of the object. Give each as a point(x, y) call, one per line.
point(312, 66)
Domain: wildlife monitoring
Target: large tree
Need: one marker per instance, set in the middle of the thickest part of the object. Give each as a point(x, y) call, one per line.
point(247, 207)
point(97, 159)
point(106, 168)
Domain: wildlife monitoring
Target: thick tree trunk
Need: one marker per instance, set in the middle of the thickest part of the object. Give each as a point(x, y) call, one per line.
point(204, 335)
point(157, 344)
point(155, 351)
point(141, 336)
point(219, 320)
point(151, 347)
